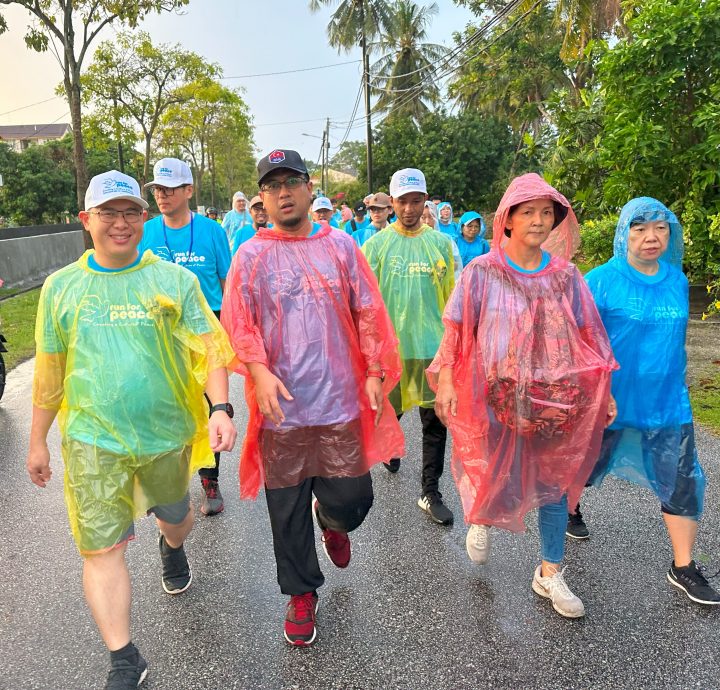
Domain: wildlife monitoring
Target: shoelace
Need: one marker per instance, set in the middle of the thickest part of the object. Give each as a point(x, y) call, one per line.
point(557, 583)
point(304, 606)
point(481, 536)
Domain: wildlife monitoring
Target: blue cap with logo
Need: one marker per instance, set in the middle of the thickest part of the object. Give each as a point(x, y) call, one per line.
point(112, 185)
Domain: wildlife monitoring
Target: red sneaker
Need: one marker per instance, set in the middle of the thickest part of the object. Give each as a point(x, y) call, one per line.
point(300, 630)
point(336, 544)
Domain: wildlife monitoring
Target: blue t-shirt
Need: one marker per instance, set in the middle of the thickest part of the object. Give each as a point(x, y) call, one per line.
point(201, 246)
point(241, 235)
point(364, 234)
point(360, 225)
point(471, 250)
point(101, 269)
point(543, 264)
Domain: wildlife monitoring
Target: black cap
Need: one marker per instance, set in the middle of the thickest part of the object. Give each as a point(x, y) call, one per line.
point(280, 159)
point(360, 208)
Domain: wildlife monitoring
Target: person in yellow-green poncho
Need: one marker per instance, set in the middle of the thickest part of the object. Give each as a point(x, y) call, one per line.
point(126, 344)
point(415, 268)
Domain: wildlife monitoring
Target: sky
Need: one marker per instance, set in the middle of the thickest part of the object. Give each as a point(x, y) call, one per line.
point(246, 37)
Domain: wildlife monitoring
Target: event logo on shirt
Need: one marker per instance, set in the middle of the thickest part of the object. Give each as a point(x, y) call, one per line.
point(399, 266)
point(276, 156)
point(281, 282)
point(183, 259)
point(93, 310)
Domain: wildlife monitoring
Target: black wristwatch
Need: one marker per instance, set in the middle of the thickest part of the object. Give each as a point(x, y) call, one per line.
point(225, 407)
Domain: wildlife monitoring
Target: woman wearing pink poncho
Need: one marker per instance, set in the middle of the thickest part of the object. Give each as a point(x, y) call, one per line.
point(523, 380)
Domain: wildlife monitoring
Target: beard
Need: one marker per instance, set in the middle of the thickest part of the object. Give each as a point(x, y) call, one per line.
point(292, 222)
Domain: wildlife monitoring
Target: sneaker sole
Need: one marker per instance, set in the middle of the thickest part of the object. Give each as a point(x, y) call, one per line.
point(576, 538)
point(540, 591)
point(317, 520)
point(422, 507)
point(303, 643)
point(177, 591)
point(212, 512)
point(143, 676)
point(675, 583)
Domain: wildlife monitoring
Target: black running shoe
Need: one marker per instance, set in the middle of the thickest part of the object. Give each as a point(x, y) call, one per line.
point(690, 580)
point(393, 466)
point(436, 509)
point(124, 674)
point(576, 527)
point(176, 573)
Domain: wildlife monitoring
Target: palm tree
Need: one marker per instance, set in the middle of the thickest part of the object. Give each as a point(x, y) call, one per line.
point(405, 74)
point(353, 22)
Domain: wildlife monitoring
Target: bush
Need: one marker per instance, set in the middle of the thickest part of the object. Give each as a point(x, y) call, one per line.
point(596, 241)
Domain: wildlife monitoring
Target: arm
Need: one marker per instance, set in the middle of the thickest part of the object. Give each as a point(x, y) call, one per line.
point(38, 459)
point(221, 430)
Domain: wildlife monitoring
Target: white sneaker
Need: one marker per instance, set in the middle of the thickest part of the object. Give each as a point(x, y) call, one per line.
point(555, 588)
point(477, 543)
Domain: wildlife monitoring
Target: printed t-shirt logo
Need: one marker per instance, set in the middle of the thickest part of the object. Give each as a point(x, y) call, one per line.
point(276, 157)
point(98, 312)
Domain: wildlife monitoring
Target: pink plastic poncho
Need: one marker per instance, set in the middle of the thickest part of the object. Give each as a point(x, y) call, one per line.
point(531, 367)
point(309, 308)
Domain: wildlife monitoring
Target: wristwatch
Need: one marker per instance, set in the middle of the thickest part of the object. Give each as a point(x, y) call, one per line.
point(376, 373)
point(225, 407)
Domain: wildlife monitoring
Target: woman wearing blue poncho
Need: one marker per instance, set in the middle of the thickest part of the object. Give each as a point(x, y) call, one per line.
point(471, 239)
point(642, 297)
point(445, 221)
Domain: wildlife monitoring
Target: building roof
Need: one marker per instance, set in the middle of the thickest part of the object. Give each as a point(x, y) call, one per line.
point(51, 131)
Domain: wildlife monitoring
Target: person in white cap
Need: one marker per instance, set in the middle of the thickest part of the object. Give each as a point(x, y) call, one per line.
point(198, 244)
point(238, 216)
point(323, 211)
point(126, 344)
point(415, 268)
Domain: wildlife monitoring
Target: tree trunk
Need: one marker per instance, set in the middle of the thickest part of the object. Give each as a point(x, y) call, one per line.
point(81, 173)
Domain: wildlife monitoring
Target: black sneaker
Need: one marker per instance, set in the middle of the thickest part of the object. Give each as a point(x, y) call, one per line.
point(690, 580)
point(393, 466)
point(576, 527)
point(436, 509)
point(124, 674)
point(176, 573)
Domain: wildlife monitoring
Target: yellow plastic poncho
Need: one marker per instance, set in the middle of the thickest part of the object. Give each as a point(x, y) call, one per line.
point(124, 357)
point(416, 274)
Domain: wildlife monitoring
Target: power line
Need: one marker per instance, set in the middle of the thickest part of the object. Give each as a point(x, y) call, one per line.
point(47, 100)
point(293, 71)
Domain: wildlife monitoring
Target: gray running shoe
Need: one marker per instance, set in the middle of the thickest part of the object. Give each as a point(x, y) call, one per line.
point(212, 502)
point(555, 588)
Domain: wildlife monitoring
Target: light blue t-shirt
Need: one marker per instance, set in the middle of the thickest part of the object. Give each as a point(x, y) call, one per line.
point(101, 269)
point(201, 246)
point(241, 235)
point(543, 264)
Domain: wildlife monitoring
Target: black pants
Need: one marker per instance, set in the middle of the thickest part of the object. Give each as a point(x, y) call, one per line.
point(434, 438)
point(344, 504)
point(212, 472)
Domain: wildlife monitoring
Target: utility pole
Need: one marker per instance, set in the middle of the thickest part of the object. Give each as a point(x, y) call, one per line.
point(366, 80)
point(326, 157)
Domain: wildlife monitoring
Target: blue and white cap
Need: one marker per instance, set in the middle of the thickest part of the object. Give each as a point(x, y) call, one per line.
point(322, 202)
point(170, 172)
point(406, 181)
point(112, 185)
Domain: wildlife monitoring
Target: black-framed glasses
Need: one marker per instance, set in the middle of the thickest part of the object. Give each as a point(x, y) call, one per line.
point(109, 215)
point(166, 191)
point(274, 186)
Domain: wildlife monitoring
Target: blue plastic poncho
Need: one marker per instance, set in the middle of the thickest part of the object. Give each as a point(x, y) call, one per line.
point(234, 219)
point(479, 246)
point(451, 228)
point(651, 441)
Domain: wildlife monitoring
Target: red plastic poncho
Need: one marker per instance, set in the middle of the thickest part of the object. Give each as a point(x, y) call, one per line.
point(531, 367)
point(309, 308)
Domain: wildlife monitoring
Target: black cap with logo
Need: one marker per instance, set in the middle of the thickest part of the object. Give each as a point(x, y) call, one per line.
point(360, 208)
point(280, 159)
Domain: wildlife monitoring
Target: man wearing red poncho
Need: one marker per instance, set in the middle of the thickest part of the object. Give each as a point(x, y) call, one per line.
point(319, 353)
point(523, 380)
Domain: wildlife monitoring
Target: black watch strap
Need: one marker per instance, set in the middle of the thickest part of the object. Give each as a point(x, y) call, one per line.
point(225, 407)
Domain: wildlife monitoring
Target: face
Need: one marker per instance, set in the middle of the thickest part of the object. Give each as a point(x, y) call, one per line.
point(531, 223)
point(647, 242)
point(173, 201)
point(259, 216)
point(379, 214)
point(116, 239)
point(409, 209)
point(239, 205)
point(212, 215)
point(470, 230)
point(445, 214)
point(287, 197)
point(427, 217)
point(322, 215)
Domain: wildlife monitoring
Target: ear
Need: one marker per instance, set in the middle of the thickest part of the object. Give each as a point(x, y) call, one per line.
point(84, 217)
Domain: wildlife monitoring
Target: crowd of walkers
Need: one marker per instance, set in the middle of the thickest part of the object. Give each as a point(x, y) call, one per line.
point(341, 321)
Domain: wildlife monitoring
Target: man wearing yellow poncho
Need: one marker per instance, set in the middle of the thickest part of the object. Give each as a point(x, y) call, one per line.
point(126, 344)
point(415, 269)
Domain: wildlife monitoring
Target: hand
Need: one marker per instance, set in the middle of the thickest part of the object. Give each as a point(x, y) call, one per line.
point(373, 389)
point(222, 432)
point(38, 465)
point(445, 401)
point(611, 412)
point(267, 387)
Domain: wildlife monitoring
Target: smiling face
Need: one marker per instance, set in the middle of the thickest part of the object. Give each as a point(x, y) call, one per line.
point(530, 223)
point(239, 205)
point(115, 240)
point(259, 216)
point(647, 242)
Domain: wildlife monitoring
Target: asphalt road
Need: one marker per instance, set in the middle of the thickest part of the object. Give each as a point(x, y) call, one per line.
point(410, 612)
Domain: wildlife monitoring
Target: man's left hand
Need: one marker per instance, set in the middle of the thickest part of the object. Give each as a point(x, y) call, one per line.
point(374, 391)
point(222, 432)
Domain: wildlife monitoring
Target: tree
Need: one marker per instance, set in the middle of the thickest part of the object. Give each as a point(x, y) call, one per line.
point(144, 80)
point(69, 27)
point(348, 158)
point(404, 72)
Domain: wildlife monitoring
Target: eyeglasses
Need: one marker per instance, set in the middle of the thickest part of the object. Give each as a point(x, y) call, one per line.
point(166, 191)
point(274, 186)
point(108, 215)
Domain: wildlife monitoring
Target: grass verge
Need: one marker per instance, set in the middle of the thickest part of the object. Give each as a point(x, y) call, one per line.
point(17, 324)
point(705, 397)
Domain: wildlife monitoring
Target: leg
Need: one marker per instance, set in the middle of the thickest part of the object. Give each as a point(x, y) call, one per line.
point(434, 435)
point(174, 521)
point(175, 533)
point(106, 582)
point(552, 519)
point(394, 465)
point(298, 570)
point(682, 531)
point(212, 502)
point(344, 502)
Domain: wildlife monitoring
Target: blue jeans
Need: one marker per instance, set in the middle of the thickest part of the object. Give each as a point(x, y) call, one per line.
point(552, 521)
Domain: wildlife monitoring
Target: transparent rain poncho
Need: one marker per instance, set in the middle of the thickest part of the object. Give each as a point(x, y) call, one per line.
point(309, 308)
point(124, 358)
point(416, 276)
point(531, 367)
point(646, 319)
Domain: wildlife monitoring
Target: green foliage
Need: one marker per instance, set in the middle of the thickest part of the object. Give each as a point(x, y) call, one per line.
point(596, 241)
point(352, 18)
point(349, 157)
point(705, 398)
point(17, 318)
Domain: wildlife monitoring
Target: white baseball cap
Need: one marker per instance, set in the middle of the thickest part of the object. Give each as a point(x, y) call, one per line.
point(239, 195)
point(406, 181)
point(112, 185)
point(171, 172)
point(322, 202)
